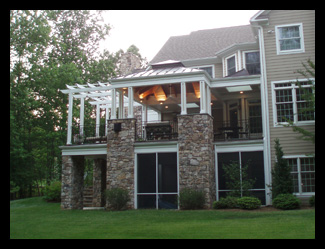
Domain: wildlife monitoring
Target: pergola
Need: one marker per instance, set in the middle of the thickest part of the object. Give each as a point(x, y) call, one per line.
point(145, 85)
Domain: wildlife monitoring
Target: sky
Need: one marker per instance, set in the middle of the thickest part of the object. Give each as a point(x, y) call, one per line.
point(150, 29)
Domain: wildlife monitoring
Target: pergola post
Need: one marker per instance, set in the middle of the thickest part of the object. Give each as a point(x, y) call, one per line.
point(113, 110)
point(70, 119)
point(82, 115)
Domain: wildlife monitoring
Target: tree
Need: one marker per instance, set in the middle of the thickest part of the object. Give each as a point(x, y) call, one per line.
point(307, 94)
point(281, 174)
point(237, 179)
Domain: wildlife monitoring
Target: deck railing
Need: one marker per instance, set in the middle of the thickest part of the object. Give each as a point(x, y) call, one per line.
point(156, 130)
point(89, 134)
point(244, 129)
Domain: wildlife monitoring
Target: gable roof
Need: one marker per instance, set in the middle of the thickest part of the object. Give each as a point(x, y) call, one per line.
point(203, 43)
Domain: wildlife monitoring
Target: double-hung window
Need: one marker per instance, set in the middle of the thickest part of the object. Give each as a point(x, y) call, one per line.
point(252, 62)
point(231, 65)
point(290, 102)
point(289, 39)
point(303, 174)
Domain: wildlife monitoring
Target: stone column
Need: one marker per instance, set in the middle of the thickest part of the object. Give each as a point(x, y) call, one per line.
point(99, 182)
point(72, 182)
point(120, 156)
point(196, 154)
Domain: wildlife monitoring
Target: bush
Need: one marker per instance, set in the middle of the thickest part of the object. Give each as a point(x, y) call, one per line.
point(249, 203)
point(117, 198)
point(312, 201)
point(52, 192)
point(228, 202)
point(286, 202)
point(191, 199)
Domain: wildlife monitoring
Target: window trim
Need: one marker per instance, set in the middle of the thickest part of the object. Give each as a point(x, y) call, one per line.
point(293, 88)
point(298, 157)
point(291, 51)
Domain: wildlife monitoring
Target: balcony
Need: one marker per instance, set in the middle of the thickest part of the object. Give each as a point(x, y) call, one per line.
point(245, 129)
point(89, 134)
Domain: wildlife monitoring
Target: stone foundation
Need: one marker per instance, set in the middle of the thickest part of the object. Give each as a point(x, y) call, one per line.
point(120, 156)
point(196, 154)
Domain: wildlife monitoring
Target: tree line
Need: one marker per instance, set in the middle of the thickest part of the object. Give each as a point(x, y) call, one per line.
point(48, 49)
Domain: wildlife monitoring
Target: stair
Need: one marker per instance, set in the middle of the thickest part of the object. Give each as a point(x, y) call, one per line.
point(88, 196)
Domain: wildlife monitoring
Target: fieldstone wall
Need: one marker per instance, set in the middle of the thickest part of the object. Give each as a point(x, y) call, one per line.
point(72, 182)
point(99, 182)
point(196, 154)
point(120, 156)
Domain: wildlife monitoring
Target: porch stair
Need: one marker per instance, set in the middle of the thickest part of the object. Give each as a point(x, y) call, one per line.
point(88, 196)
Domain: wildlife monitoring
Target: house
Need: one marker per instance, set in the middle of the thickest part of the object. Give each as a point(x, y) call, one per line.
point(220, 95)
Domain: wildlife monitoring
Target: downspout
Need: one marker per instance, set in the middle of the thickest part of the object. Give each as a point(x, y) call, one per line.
point(265, 119)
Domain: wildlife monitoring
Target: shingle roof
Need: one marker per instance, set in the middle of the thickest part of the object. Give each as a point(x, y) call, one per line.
point(203, 43)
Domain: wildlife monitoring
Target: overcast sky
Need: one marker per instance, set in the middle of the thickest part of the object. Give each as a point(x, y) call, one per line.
point(150, 29)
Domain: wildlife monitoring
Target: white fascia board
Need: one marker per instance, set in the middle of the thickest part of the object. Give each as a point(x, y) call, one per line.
point(236, 81)
point(83, 150)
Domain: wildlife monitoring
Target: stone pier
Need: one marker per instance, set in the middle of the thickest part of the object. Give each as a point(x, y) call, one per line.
point(120, 156)
point(196, 154)
point(72, 182)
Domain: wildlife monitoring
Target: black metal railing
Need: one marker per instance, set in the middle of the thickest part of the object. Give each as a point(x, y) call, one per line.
point(89, 134)
point(156, 131)
point(245, 129)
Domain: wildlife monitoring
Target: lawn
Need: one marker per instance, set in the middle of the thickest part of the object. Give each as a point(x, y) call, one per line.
point(34, 218)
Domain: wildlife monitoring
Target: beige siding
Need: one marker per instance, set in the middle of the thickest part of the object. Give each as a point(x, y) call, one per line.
point(218, 70)
point(282, 67)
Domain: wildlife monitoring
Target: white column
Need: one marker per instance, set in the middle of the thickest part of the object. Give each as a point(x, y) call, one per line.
point(120, 104)
point(70, 119)
point(106, 118)
point(202, 97)
point(97, 119)
point(183, 99)
point(144, 121)
point(113, 110)
point(208, 97)
point(130, 96)
point(82, 115)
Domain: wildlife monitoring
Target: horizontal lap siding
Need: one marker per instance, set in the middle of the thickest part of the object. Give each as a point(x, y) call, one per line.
point(282, 67)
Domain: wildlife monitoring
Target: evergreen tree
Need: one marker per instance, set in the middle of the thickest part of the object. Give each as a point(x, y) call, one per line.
point(281, 177)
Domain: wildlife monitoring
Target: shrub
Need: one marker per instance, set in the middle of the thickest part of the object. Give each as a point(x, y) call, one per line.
point(52, 192)
point(191, 199)
point(228, 202)
point(286, 202)
point(117, 198)
point(249, 203)
point(312, 201)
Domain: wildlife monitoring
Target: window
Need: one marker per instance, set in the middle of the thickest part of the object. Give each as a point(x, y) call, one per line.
point(303, 174)
point(231, 66)
point(157, 180)
point(255, 162)
point(289, 39)
point(252, 62)
point(290, 102)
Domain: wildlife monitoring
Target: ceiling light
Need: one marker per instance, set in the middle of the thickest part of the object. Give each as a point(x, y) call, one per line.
point(238, 88)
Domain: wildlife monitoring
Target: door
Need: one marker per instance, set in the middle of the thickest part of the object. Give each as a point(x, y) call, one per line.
point(157, 180)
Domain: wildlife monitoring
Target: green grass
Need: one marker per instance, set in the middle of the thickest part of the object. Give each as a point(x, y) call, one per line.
point(34, 218)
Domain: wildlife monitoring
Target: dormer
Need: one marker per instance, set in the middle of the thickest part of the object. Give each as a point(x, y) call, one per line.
point(240, 59)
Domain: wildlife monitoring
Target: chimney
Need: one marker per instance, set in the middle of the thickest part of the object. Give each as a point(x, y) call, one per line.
point(128, 63)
